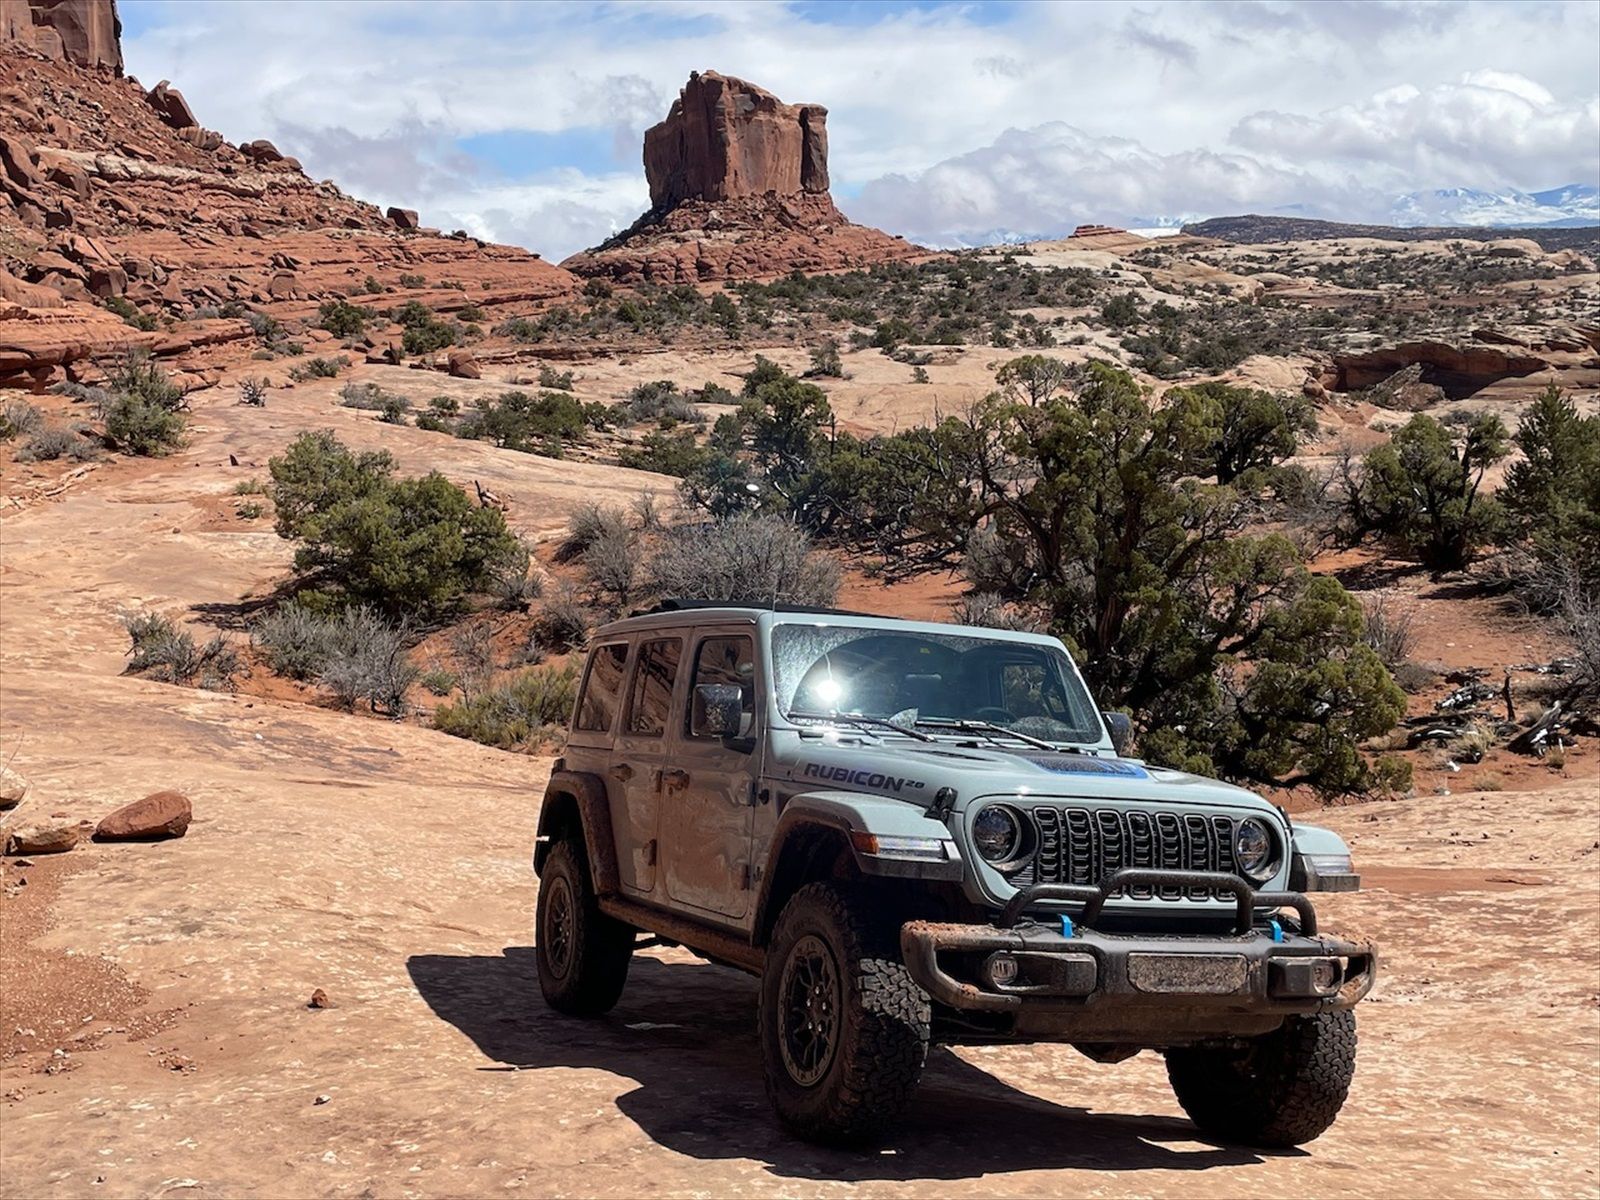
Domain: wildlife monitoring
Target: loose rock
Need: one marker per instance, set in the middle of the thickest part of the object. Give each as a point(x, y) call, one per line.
point(13, 787)
point(158, 815)
point(42, 839)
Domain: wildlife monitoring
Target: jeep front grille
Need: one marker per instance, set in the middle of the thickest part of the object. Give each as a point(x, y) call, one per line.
point(1084, 845)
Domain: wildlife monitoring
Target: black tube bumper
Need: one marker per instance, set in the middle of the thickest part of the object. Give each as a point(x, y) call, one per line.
point(1019, 965)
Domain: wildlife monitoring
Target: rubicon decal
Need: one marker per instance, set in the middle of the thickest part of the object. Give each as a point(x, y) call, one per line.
point(868, 779)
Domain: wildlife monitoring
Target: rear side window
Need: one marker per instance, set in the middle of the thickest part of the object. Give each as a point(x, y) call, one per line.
point(653, 677)
point(729, 660)
point(601, 689)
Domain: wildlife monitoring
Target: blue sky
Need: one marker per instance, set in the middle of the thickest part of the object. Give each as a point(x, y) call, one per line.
point(948, 122)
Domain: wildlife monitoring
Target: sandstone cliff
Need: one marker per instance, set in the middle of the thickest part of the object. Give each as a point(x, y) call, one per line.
point(738, 189)
point(110, 193)
point(84, 32)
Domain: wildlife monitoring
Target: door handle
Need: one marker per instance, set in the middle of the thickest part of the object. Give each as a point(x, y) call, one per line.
point(622, 772)
point(675, 778)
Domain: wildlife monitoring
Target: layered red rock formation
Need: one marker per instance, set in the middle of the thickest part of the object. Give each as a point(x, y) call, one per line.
point(84, 32)
point(725, 139)
point(738, 189)
point(1462, 369)
point(110, 193)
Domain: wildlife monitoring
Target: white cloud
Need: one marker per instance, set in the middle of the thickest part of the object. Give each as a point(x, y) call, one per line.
point(1173, 103)
point(1055, 176)
point(1491, 128)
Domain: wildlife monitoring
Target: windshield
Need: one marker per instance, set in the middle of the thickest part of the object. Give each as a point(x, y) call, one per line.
point(932, 677)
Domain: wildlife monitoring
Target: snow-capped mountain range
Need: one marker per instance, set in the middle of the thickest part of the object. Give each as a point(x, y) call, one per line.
point(1574, 204)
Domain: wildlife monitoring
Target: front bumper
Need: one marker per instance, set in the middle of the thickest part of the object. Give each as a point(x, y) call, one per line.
point(1034, 967)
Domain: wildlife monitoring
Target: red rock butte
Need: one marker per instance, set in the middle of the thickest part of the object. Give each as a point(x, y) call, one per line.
point(738, 189)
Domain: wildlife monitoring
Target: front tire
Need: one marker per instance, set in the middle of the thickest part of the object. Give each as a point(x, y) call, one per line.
point(1282, 1089)
point(582, 954)
point(844, 1028)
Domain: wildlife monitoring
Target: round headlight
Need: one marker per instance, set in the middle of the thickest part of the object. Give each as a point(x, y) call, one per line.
point(1252, 849)
point(997, 832)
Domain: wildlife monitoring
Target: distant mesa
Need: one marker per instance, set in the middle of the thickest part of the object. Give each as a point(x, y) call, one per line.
point(738, 189)
point(86, 33)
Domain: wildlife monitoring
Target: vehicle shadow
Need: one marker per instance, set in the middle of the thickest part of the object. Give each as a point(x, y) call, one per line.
point(685, 1032)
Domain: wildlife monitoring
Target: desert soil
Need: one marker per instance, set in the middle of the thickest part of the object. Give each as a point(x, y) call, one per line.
point(388, 865)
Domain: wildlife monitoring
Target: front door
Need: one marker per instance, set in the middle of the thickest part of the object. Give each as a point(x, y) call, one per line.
point(638, 758)
point(707, 802)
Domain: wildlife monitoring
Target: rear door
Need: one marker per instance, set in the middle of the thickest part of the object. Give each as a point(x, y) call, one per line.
point(706, 809)
point(593, 746)
point(639, 755)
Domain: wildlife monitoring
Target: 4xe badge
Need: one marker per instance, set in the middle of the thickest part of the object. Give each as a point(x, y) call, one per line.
point(867, 779)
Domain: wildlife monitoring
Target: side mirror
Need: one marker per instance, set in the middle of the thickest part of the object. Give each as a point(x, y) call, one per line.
point(718, 709)
point(1121, 731)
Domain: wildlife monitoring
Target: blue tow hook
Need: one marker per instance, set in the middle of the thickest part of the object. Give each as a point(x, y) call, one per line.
point(1066, 925)
point(1277, 929)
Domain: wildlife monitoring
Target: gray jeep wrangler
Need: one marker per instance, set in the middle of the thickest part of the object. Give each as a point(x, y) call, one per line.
point(919, 833)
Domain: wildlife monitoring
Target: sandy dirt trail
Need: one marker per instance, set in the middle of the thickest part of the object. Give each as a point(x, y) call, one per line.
point(388, 865)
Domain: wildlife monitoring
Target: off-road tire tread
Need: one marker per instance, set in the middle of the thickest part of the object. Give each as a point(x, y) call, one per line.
point(1304, 1082)
point(602, 945)
point(885, 1036)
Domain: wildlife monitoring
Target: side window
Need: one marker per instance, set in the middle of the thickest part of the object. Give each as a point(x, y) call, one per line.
point(728, 660)
point(602, 687)
point(650, 700)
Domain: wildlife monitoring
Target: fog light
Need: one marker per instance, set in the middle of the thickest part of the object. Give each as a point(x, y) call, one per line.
point(1304, 978)
point(1001, 969)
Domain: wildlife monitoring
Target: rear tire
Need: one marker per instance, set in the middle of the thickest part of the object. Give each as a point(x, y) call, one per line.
point(1282, 1089)
point(844, 1028)
point(582, 954)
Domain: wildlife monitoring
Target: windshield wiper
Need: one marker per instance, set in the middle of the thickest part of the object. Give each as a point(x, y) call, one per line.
point(858, 720)
point(988, 727)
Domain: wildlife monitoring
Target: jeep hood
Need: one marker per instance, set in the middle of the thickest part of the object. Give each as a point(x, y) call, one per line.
point(915, 771)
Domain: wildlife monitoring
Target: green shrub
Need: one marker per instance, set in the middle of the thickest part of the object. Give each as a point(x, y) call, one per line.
point(317, 474)
point(1552, 494)
point(825, 361)
point(1230, 655)
point(438, 681)
point(318, 368)
point(343, 319)
point(143, 409)
point(559, 381)
point(1421, 491)
point(403, 545)
point(535, 704)
point(539, 424)
point(1121, 311)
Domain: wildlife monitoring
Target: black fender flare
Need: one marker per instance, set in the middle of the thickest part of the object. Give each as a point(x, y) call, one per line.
point(586, 793)
point(791, 825)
